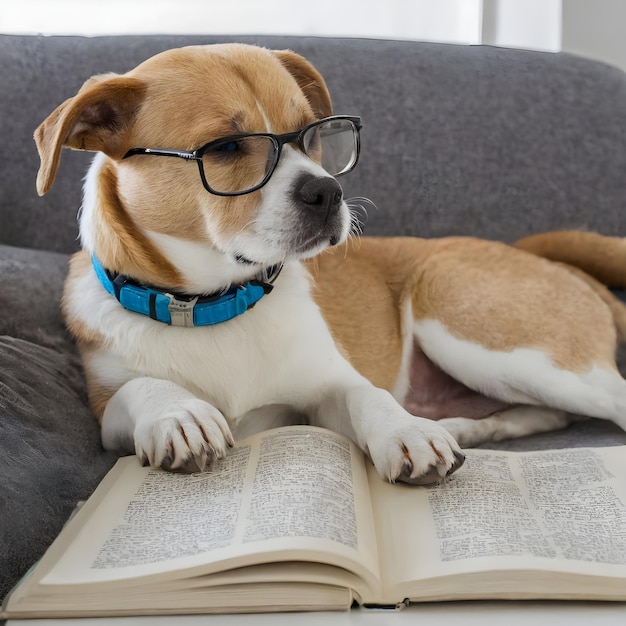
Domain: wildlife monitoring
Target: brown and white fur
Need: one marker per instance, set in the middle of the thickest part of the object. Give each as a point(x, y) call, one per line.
point(492, 341)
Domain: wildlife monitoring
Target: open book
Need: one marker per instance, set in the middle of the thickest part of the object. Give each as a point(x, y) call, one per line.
point(297, 519)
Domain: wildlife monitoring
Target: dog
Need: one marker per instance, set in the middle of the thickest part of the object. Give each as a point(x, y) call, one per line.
point(217, 298)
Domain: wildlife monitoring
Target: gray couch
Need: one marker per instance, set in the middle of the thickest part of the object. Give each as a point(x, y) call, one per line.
point(456, 140)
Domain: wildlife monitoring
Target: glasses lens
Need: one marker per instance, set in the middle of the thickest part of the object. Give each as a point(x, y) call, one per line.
point(238, 165)
point(337, 142)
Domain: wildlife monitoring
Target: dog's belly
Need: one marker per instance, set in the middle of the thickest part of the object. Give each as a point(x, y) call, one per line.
point(434, 394)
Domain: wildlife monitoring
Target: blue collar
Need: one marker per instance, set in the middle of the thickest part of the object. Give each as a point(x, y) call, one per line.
point(178, 310)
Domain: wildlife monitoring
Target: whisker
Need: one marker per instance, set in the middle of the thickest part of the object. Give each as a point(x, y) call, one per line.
point(358, 215)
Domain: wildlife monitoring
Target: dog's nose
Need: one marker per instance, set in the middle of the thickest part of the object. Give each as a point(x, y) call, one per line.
point(323, 194)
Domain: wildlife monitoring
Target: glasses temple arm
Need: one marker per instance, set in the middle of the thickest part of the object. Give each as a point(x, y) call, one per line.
point(181, 154)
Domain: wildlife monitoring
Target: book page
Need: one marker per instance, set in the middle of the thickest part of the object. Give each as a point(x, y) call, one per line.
point(291, 493)
point(161, 520)
point(561, 510)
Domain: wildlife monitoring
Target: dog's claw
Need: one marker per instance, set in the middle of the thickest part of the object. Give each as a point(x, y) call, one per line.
point(460, 459)
point(432, 475)
point(192, 463)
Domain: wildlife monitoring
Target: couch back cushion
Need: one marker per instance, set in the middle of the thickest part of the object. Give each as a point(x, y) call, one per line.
point(469, 140)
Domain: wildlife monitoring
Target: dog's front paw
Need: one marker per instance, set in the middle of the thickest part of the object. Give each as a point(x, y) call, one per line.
point(418, 452)
point(187, 437)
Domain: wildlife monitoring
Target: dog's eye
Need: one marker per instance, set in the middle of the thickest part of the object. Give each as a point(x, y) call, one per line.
point(230, 146)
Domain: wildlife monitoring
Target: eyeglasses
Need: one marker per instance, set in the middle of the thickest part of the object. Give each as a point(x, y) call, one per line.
point(240, 164)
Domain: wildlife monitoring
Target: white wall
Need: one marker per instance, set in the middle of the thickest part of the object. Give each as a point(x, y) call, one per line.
point(434, 20)
point(595, 28)
point(534, 24)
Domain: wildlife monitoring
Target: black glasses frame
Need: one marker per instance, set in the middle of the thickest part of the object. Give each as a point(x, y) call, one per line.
point(279, 141)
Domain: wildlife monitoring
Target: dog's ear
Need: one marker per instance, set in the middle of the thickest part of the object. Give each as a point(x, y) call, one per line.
point(309, 80)
point(97, 118)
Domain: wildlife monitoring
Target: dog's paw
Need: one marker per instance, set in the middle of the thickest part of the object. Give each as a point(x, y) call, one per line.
point(189, 437)
point(418, 452)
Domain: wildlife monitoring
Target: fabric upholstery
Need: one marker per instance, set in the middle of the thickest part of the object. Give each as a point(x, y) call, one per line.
point(51, 455)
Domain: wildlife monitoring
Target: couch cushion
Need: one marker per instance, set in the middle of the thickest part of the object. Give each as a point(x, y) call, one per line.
point(471, 140)
point(51, 453)
point(30, 295)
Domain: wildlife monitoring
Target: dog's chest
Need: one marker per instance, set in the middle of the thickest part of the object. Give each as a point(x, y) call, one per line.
point(264, 356)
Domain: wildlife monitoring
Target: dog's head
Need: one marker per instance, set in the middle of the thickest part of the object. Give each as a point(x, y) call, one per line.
point(138, 201)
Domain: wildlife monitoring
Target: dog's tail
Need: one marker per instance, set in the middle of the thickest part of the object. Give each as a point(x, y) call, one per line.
point(598, 259)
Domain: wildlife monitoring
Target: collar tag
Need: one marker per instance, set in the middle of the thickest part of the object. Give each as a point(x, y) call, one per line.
point(181, 311)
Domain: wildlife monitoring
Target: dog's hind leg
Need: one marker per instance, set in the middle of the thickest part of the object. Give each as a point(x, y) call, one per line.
point(519, 329)
point(523, 376)
point(511, 423)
